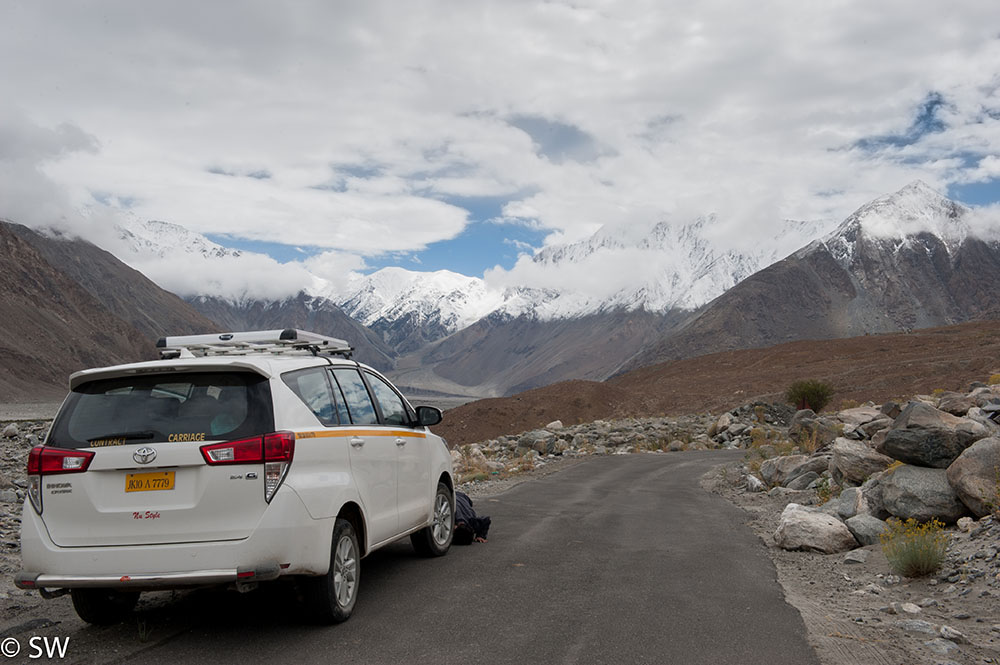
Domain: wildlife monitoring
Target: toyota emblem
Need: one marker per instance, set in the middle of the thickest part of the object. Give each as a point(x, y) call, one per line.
point(144, 455)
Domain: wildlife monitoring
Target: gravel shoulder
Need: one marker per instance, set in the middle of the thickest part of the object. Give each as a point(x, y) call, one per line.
point(860, 612)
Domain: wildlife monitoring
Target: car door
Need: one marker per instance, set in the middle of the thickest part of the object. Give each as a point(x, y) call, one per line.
point(373, 456)
point(414, 486)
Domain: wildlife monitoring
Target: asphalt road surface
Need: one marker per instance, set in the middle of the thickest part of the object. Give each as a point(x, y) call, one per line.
point(621, 559)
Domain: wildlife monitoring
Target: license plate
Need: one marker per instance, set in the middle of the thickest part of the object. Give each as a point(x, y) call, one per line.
point(149, 482)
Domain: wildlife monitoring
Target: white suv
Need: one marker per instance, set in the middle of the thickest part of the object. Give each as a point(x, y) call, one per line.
point(236, 459)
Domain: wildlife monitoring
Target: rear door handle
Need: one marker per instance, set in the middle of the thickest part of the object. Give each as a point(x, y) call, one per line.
point(357, 442)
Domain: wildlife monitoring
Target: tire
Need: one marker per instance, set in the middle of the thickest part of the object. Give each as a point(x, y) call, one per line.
point(331, 598)
point(435, 540)
point(103, 607)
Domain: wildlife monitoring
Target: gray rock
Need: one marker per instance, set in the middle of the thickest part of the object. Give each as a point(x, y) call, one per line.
point(802, 529)
point(876, 425)
point(925, 436)
point(942, 647)
point(921, 493)
point(8, 496)
point(10, 431)
point(956, 404)
point(872, 502)
point(866, 529)
point(778, 470)
point(849, 503)
point(807, 425)
point(856, 461)
point(859, 415)
point(952, 635)
point(918, 627)
point(975, 476)
point(856, 556)
point(802, 481)
point(555, 424)
point(754, 484)
point(891, 409)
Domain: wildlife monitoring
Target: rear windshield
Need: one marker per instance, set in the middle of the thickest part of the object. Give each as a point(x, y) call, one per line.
point(171, 408)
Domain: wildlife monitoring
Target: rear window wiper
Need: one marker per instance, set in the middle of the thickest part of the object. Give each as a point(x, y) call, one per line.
point(125, 436)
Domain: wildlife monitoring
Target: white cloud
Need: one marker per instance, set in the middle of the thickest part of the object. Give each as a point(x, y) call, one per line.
point(348, 125)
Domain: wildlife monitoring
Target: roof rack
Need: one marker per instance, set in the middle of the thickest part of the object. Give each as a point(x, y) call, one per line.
point(255, 342)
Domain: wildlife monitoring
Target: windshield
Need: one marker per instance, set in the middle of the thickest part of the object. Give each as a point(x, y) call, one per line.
point(172, 408)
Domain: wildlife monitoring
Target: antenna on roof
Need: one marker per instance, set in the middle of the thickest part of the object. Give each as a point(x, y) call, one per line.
point(259, 342)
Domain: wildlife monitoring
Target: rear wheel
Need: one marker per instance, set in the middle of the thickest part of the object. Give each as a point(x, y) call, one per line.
point(103, 607)
point(331, 598)
point(435, 540)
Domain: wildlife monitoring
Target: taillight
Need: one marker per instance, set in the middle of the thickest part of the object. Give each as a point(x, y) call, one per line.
point(273, 450)
point(44, 461)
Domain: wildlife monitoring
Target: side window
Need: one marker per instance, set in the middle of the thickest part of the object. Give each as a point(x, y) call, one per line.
point(313, 389)
point(392, 405)
point(356, 396)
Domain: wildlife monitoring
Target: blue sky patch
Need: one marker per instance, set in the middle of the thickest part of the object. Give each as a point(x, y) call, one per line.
point(976, 193)
point(927, 121)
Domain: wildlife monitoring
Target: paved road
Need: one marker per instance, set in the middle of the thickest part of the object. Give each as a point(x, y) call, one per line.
point(619, 559)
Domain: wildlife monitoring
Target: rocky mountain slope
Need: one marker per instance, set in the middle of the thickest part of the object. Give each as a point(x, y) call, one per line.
point(68, 305)
point(304, 312)
point(904, 261)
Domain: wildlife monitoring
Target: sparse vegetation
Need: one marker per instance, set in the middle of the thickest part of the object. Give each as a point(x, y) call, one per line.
point(994, 379)
point(825, 490)
point(809, 394)
point(849, 404)
point(914, 549)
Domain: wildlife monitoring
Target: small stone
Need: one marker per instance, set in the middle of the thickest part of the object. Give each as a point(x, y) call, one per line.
point(964, 524)
point(10, 431)
point(555, 424)
point(961, 616)
point(952, 635)
point(856, 556)
point(918, 627)
point(928, 602)
point(942, 647)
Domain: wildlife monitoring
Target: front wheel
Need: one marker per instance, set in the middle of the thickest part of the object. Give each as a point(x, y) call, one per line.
point(435, 540)
point(331, 597)
point(103, 607)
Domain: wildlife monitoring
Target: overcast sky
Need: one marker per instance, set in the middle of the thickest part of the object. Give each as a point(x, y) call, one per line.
point(460, 134)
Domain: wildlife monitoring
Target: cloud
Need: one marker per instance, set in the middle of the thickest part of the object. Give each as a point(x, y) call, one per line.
point(362, 128)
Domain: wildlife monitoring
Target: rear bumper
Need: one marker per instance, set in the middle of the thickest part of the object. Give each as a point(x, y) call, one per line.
point(287, 541)
point(27, 580)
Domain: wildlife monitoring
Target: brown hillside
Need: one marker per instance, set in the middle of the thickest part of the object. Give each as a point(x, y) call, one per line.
point(877, 367)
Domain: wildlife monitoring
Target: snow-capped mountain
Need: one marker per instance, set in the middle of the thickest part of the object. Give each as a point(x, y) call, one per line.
point(160, 239)
point(900, 220)
point(411, 308)
point(911, 259)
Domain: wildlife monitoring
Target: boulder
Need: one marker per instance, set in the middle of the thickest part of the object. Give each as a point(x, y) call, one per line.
point(539, 440)
point(925, 436)
point(802, 481)
point(891, 409)
point(555, 424)
point(803, 529)
point(723, 423)
point(921, 493)
point(781, 470)
point(956, 404)
point(874, 427)
point(975, 476)
point(806, 425)
point(856, 461)
point(866, 529)
point(859, 415)
point(10, 431)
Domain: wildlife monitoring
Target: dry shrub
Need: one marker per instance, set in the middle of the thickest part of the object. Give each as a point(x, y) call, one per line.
point(914, 549)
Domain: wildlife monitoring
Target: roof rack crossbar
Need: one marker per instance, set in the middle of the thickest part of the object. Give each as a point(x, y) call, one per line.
point(259, 342)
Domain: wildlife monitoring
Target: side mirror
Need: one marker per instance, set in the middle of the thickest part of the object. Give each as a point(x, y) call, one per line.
point(428, 416)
